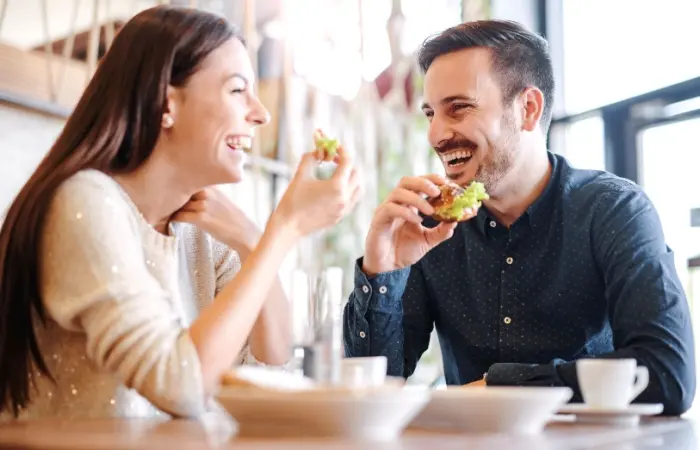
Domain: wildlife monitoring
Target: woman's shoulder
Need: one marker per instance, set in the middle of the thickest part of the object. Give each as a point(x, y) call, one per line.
point(92, 196)
point(90, 185)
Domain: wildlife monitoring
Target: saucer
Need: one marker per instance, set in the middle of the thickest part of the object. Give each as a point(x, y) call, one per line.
point(628, 415)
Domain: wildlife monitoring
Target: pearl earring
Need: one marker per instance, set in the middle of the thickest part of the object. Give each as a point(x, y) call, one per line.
point(168, 121)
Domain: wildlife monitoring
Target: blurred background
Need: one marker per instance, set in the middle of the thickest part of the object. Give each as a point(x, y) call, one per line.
point(628, 97)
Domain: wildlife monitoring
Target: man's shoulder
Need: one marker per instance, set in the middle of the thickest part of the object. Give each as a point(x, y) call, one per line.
point(596, 196)
point(583, 184)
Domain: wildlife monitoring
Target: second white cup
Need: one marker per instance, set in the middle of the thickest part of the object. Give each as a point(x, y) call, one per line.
point(611, 383)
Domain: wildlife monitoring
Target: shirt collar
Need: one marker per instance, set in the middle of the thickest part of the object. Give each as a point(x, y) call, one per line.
point(539, 212)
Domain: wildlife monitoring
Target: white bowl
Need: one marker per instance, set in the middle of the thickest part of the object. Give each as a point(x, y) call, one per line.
point(376, 414)
point(492, 409)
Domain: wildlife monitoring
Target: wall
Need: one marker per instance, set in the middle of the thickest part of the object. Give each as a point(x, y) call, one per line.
point(25, 137)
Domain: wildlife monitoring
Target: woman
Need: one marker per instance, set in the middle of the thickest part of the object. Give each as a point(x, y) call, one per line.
point(117, 261)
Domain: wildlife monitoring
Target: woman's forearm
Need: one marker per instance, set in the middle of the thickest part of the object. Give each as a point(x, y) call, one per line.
point(270, 340)
point(222, 328)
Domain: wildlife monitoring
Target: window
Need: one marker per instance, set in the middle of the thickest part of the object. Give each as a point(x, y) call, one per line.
point(582, 142)
point(619, 49)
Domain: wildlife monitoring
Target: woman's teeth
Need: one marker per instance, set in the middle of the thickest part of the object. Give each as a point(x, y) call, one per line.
point(239, 142)
point(456, 158)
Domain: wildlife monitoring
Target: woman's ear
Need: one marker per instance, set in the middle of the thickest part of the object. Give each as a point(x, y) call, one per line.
point(170, 110)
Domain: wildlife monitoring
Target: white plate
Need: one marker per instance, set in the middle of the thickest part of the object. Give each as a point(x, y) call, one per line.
point(377, 414)
point(492, 409)
point(616, 416)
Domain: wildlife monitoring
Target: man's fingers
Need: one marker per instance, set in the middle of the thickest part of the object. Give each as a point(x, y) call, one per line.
point(409, 198)
point(420, 185)
point(440, 233)
point(388, 211)
point(434, 178)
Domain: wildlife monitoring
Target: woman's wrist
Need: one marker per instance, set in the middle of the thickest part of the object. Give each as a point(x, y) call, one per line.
point(282, 231)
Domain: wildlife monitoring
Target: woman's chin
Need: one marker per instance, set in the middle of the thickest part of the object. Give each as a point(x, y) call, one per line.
point(234, 176)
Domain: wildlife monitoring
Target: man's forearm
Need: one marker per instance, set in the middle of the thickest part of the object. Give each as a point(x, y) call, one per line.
point(671, 377)
point(368, 335)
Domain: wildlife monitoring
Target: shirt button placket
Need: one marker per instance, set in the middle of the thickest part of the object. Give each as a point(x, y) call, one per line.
point(505, 320)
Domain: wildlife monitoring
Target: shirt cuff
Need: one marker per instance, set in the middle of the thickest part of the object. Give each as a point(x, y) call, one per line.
point(516, 374)
point(381, 292)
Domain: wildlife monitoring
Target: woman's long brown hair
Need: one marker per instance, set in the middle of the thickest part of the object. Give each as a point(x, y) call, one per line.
point(113, 128)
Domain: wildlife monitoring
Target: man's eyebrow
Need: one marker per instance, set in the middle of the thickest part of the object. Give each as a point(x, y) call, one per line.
point(450, 99)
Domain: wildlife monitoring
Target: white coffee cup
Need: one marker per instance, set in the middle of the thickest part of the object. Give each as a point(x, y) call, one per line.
point(364, 371)
point(611, 383)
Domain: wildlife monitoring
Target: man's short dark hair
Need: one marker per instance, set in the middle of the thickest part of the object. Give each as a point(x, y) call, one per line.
point(520, 58)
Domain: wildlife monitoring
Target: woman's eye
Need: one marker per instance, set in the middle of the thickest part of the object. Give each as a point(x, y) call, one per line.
point(237, 91)
point(459, 106)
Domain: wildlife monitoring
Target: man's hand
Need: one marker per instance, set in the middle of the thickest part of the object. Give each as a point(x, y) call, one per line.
point(477, 383)
point(396, 237)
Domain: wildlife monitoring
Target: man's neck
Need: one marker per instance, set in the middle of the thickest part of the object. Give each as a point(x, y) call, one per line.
point(522, 186)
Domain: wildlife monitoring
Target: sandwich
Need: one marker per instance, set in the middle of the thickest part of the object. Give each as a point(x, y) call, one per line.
point(326, 147)
point(454, 201)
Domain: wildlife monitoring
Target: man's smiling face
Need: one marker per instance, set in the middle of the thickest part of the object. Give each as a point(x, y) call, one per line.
point(473, 132)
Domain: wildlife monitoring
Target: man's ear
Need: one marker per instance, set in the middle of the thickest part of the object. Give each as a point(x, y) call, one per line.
point(532, 106)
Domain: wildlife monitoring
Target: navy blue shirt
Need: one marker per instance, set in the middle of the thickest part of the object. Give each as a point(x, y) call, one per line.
point(584, 272)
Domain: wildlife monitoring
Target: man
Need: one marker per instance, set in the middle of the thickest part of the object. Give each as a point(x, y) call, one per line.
point(559, 264)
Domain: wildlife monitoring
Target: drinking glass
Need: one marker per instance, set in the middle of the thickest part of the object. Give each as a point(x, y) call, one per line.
point(317, 322)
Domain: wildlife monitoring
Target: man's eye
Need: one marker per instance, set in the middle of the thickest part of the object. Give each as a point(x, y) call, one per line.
point(428, 114)
point(459, 106)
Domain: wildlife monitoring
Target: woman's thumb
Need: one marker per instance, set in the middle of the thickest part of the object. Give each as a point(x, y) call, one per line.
point(307, 165)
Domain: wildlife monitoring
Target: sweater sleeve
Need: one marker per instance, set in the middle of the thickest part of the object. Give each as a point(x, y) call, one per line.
point(95, 280)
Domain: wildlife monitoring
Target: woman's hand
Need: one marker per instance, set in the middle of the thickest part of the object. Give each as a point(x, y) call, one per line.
point(310, 204)
point(214, 212)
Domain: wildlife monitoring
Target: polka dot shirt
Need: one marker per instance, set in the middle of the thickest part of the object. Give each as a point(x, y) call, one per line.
point(585, 272)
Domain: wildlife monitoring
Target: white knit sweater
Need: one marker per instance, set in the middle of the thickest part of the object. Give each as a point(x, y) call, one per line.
point(121, 297)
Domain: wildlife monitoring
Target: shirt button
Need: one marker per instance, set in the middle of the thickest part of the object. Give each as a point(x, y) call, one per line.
point(362, 334)
point(365, 289)
point(382, 289)
point(509, 260)
point(506, 320)
point(492, 224)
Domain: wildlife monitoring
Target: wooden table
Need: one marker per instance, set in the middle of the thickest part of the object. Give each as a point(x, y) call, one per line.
point(662, 434)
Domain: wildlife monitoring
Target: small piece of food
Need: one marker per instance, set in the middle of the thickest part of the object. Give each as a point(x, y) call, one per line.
point(253, 377)
point(454, 200)
point(327, 146)
point(231, 379)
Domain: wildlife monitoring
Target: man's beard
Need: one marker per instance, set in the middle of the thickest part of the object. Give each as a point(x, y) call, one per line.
point(501, 157)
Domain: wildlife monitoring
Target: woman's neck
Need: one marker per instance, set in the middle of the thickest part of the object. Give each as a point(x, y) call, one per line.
point(157, 192)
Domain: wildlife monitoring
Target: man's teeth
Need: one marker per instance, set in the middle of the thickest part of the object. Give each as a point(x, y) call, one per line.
point(449, 157)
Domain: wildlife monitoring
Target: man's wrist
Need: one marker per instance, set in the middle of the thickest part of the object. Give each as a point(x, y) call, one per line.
point(371, 269)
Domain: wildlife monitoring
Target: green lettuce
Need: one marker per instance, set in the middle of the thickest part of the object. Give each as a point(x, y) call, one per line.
point(472, 197)
point(330, 146)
